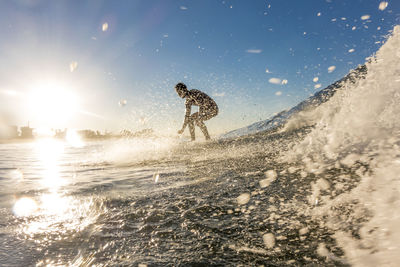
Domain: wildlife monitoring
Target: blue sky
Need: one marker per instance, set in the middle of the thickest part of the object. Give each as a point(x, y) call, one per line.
point(255, 58)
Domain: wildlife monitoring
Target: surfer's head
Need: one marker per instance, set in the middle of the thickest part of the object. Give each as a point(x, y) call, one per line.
point(181, 89)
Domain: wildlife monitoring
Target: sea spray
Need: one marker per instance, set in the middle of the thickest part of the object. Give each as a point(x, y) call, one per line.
point(132, 150)
point(360, 126)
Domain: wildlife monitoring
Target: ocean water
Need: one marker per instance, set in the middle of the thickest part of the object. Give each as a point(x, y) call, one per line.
point(157, 203)
point(144, 201)
point(324, 190)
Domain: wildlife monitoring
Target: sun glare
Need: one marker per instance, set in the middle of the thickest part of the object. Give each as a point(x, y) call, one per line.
point(52, 105)
point(24, 207)
point(74, 139)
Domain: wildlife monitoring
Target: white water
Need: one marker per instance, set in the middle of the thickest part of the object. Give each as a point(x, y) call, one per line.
point(361, 123)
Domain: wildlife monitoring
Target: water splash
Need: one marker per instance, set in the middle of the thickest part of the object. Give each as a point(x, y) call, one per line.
point(359, 126)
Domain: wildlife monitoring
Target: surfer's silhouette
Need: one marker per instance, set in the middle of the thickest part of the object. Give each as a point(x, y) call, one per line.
point(207, 109)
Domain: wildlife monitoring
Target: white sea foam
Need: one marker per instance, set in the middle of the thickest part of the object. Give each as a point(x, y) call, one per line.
point(361, 123)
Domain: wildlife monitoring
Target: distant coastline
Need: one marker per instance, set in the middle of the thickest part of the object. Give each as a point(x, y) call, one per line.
point(84, 135)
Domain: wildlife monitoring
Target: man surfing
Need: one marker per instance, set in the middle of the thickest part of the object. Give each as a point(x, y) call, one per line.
point(207, 109)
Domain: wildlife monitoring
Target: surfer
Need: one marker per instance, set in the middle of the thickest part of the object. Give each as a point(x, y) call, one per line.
point(207, 109)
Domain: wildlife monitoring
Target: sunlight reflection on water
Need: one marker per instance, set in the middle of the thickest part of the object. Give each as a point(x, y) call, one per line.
point(52, 212)
point(24, 207)
point(58, 214)
point(49, 152)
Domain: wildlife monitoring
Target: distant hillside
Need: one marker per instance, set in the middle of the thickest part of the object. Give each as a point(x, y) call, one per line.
point(310, 103)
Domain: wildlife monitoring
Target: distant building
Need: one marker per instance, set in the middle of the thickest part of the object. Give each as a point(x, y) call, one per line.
point(26, 132)
point(87, 134)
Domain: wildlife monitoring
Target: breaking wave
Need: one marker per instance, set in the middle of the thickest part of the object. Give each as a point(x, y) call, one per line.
point(359, 129)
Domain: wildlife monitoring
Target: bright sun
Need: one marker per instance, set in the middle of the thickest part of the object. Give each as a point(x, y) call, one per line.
point(52, 104)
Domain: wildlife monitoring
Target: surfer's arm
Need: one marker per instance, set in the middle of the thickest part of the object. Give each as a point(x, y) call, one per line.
point(187, 116)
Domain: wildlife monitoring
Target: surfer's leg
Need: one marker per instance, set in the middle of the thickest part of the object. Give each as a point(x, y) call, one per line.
point(205, 114)
point(191, 121)
point(203, 128)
